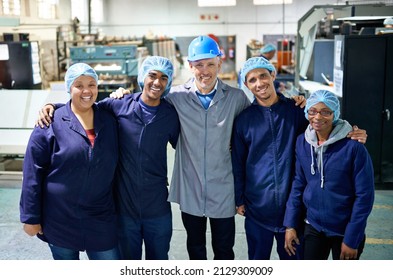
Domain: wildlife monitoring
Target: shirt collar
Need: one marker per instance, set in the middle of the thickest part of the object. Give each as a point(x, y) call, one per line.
point(213, 90)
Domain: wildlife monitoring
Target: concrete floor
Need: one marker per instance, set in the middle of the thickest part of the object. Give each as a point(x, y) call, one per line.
point(16, 245)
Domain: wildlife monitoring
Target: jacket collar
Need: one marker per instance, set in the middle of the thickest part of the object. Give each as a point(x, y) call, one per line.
point(138, 110)
point(281, 98)
point(74, 124)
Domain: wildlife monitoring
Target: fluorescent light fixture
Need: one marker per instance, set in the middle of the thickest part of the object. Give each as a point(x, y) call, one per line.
point(272, 2)
point(216, 3)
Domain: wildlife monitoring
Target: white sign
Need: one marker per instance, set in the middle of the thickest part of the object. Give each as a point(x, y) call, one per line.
point(4, 54)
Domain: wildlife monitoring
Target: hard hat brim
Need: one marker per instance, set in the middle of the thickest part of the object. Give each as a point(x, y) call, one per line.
point(203, 56)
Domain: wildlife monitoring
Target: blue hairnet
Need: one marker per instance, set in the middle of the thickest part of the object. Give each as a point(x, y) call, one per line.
point(388, 21)
point(326, 97)
point(156, 63)
point(255, 63)
point(77, 70)
point(268, 48)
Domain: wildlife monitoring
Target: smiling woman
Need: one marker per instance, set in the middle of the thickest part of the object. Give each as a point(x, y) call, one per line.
point(68, 169)
point(334, 180)
point(82, 83)
point(84, 92)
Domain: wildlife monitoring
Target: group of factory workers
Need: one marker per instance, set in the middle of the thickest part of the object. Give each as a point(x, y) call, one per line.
point(95, 174)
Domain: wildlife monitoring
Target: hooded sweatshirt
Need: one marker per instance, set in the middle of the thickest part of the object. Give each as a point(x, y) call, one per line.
point(335, 182)
point(340, 131)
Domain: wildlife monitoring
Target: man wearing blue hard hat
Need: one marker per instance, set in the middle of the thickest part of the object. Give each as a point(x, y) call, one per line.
point(263, 149)
point(202, 180)
point(146, 123)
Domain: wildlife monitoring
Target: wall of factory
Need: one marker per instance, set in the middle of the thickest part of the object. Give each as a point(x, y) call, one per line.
point(184, 18)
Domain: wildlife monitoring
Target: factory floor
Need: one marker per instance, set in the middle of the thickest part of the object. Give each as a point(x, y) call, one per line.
point(16, 245)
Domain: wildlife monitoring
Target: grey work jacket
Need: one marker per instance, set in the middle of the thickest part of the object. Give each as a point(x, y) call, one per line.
point(202, 181)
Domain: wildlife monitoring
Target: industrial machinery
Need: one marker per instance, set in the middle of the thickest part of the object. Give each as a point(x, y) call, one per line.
point(363, 78)
point(117, 66)
point(322, 23)
point(20, 65)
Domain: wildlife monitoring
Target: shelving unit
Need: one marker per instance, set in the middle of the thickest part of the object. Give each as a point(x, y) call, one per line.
point(66, 37)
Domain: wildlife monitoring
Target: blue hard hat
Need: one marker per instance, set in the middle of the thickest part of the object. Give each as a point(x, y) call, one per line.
point(203, 47)
point(77, 70)
point(326, 97)
point(156, 63)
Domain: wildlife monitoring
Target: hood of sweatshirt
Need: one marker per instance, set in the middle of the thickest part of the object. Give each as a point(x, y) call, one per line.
point(340, 131)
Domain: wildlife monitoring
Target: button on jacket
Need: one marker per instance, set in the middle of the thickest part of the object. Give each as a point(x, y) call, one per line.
point(141, 180)
point(67, 184)
point(202, 181)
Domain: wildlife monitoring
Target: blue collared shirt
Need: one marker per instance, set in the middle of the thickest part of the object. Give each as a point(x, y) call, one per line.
point(206, 98)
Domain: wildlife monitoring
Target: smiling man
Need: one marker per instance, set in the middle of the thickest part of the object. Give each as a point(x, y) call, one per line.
point(147, 123)
point(202, 180)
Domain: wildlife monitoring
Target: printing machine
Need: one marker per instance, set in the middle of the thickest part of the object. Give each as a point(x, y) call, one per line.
point(117, 65)
point(315, 37)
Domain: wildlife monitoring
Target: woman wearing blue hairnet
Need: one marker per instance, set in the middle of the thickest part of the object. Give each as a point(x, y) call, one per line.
point(334, 180)
point(68, 168)
point(147, 123)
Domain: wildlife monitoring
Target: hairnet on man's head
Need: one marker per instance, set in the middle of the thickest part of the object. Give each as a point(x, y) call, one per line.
point(326, 97)
point(156, 63)
point(268, 48)
point(77, 70)
point(255, 63)
point(388, 21)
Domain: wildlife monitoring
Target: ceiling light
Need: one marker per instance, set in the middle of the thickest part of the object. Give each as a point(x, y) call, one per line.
point(216, 3)
point(272, 2)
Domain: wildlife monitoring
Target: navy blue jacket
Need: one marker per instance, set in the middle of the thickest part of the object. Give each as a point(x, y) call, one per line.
point(67, 184)
point(342, 206)
point(141, 179)
point(263, 149)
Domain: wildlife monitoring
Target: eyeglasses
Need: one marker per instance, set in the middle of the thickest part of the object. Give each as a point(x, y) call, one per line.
point(323, 113)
